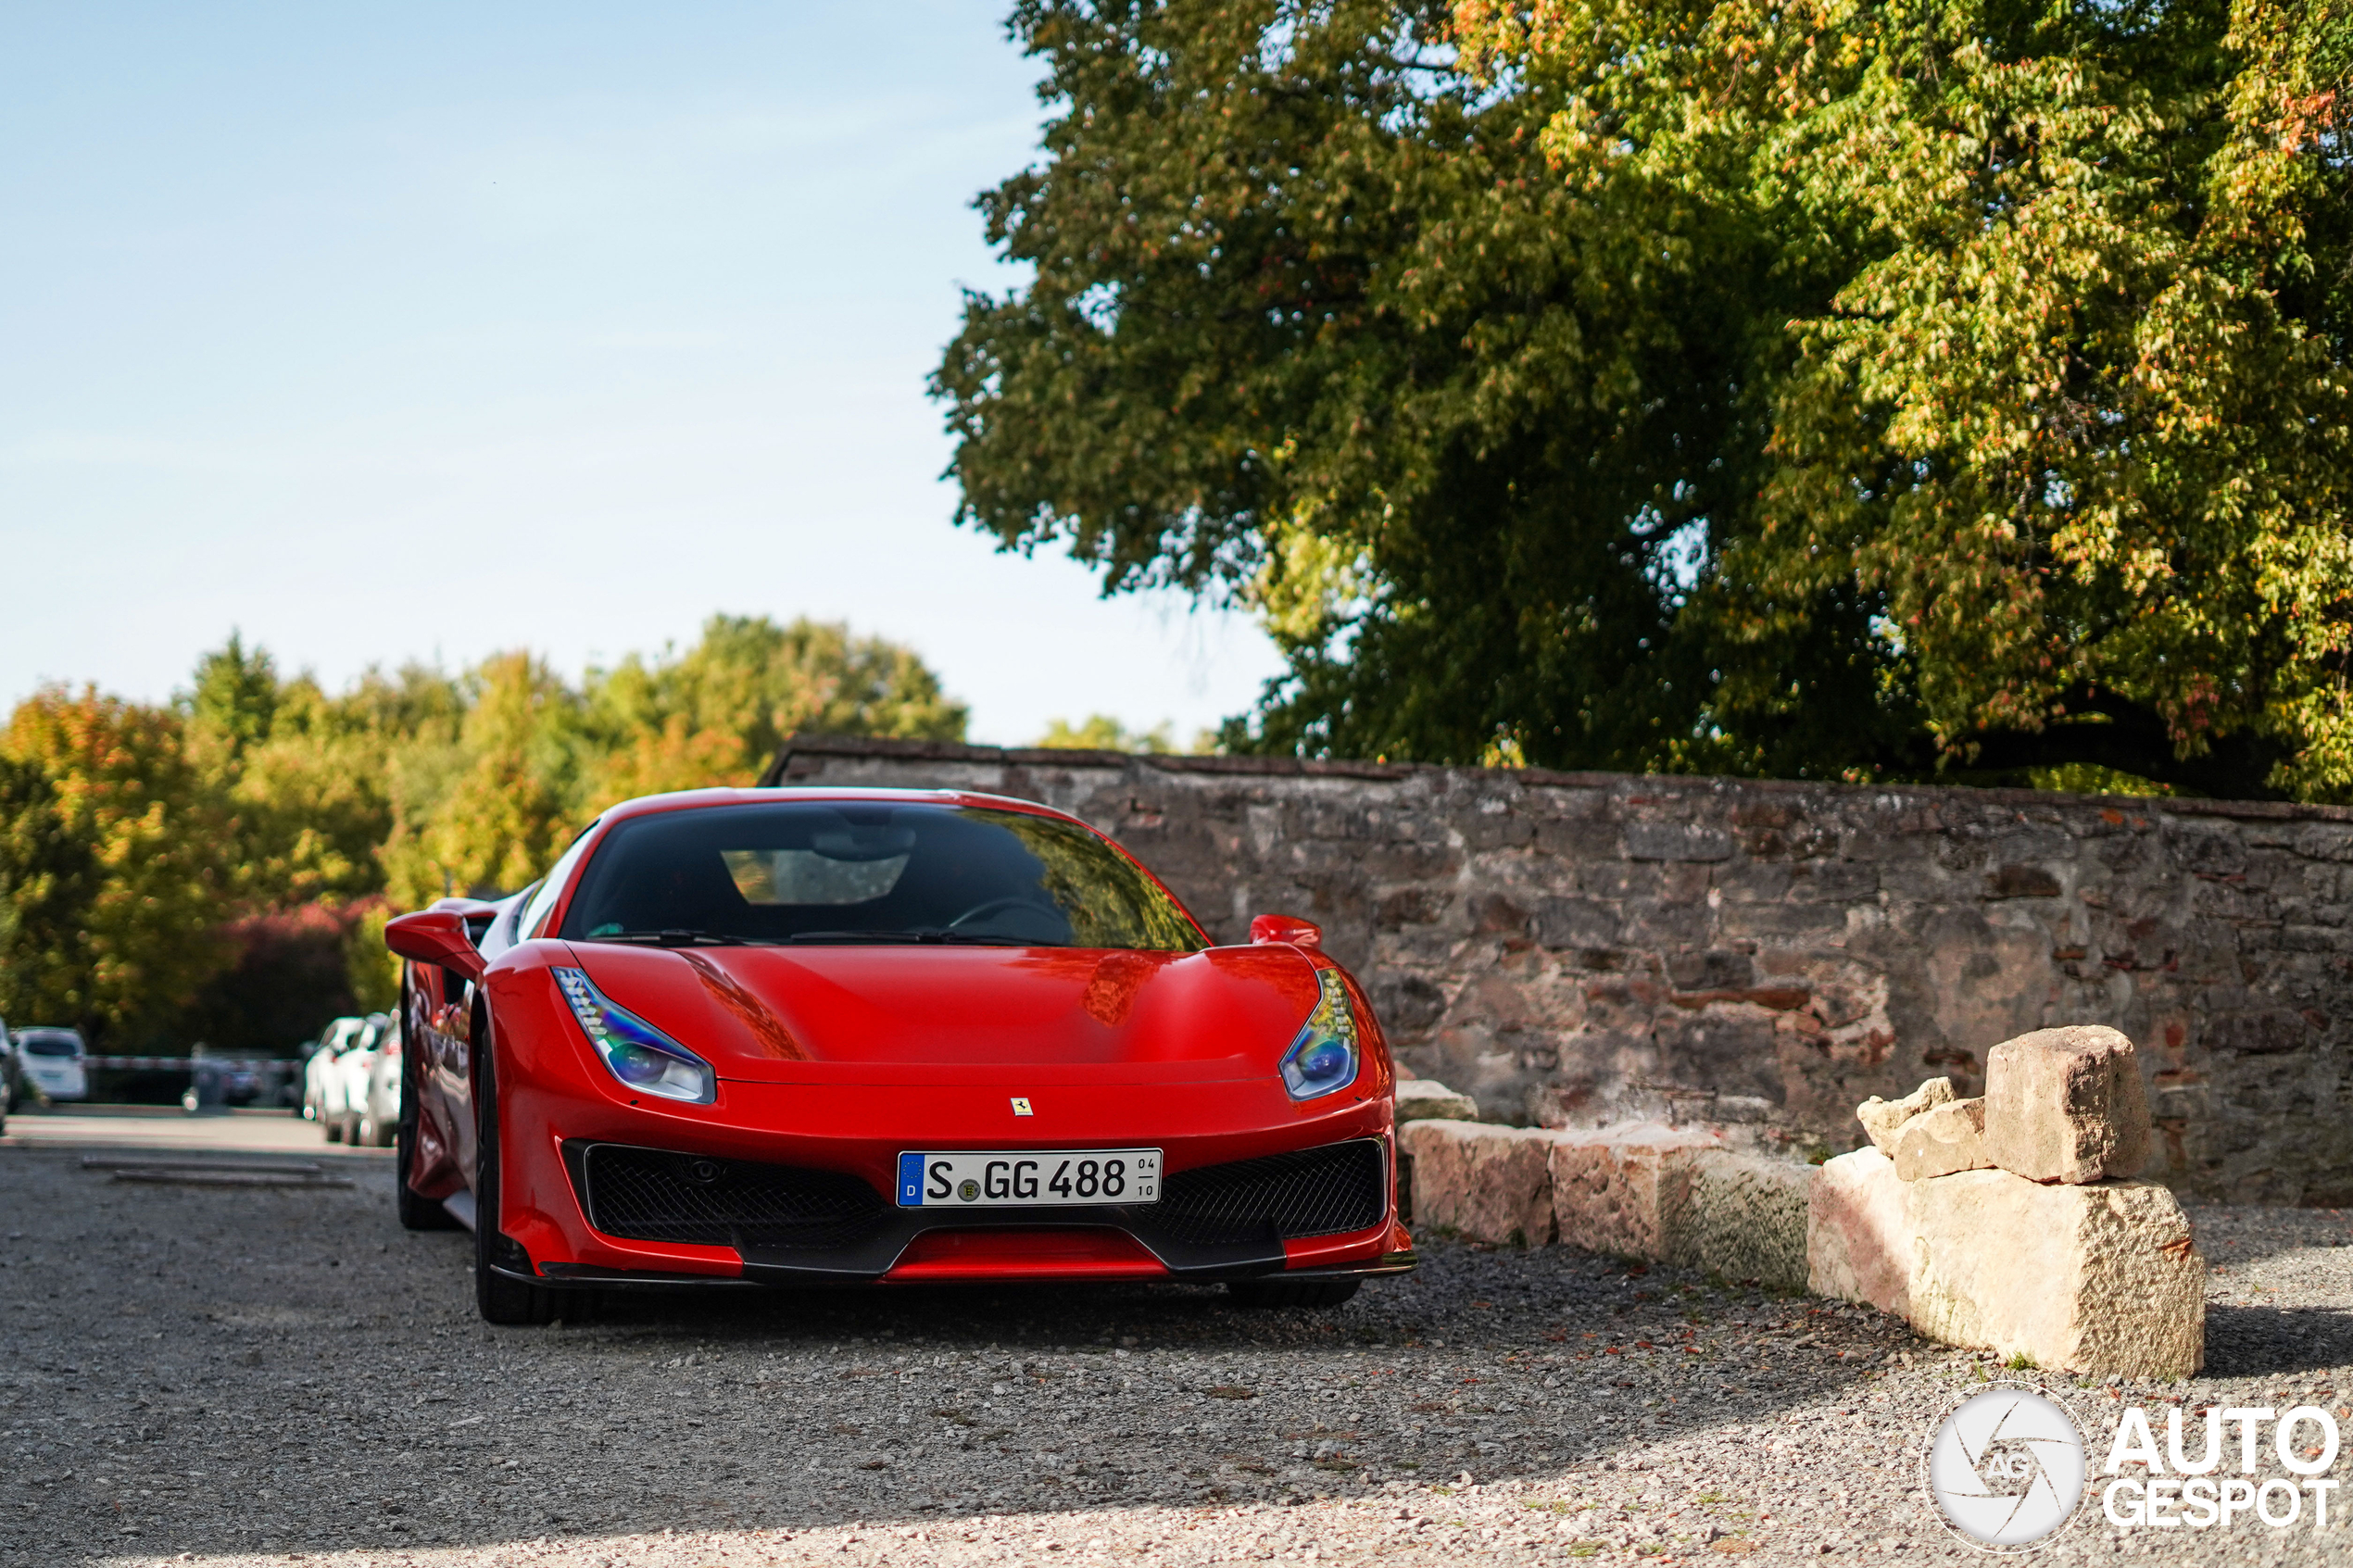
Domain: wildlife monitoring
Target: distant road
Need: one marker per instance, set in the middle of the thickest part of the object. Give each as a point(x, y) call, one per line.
point(157, 1126)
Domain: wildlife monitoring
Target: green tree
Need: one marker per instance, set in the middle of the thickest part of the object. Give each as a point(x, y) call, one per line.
point(505, 816)
point(1860, 390)
point(715, 714)
point(1101, 732)
point(304, 779)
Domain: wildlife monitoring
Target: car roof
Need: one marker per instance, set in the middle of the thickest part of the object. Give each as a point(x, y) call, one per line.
point(689, 798)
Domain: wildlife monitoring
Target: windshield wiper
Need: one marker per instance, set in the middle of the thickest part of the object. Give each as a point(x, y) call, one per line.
point(981, 939)
point(852, 936)
point(922, 935)
point(670, 938)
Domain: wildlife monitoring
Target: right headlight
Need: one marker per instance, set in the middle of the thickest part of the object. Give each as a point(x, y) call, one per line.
point(1325, 1056)
point(633, 1051)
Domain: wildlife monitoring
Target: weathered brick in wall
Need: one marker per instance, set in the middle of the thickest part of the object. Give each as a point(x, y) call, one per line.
point(1576, 949)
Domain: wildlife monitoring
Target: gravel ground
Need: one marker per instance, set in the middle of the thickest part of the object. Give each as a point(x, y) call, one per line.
point(239, 1375)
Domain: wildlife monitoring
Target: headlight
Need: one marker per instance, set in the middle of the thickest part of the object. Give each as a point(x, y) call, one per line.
point(638, 1054)
point(1323, 1057)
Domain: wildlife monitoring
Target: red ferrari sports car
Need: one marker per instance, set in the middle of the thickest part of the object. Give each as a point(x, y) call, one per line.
point(797, 1036)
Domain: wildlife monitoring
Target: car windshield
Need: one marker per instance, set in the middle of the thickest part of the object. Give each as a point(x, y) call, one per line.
point(48, 1042)
point(864, 872)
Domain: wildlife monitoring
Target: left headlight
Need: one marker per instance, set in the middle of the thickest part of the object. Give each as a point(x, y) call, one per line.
point(633, 1051)
point(1323, 1058)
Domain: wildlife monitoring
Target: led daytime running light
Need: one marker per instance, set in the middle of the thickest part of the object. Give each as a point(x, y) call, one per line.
point(1323, 1058)
point(632, 1050)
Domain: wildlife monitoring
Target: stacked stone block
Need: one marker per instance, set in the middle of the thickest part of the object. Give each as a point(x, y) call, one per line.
point(2015, 1223)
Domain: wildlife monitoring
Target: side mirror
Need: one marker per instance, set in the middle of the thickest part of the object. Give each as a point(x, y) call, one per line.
point(1283, 928)
point(436, 936)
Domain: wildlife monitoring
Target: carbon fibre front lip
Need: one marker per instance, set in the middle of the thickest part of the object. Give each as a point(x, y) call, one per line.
point(580, 1277)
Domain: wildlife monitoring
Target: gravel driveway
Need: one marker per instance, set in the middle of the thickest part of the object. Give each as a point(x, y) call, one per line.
point(247, 1375)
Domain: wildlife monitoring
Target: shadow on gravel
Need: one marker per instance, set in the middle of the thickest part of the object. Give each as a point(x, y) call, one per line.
point(2262, 1341)
point(2277, 1231)
point(1493, 1362)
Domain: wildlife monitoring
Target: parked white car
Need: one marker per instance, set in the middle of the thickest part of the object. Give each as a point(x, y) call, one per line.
point(51, 1061)
point(353, 1070)
point(322, 1076)
point(380, 1106)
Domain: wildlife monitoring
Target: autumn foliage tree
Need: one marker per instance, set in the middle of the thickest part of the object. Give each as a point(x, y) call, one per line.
point(119, 858)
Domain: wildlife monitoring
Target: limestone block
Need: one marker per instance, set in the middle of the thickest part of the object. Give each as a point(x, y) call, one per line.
point(1739, 1215)
point(1883, 1117)
point(1858, 1240)
point(1941, 1142)
point(1491, 1183)
point(2103, 1280)
point(2067, 1105)
point(1427, 1099)
point(1610, 1186)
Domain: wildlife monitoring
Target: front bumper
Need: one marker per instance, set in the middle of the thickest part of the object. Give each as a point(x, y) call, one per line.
point(805, 1227)
point(557, 1125)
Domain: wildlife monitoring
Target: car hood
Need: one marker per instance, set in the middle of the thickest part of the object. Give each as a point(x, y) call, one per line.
point(944, 1015)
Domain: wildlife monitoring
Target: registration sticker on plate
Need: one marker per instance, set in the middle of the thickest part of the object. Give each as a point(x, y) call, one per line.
point(1029, 1178)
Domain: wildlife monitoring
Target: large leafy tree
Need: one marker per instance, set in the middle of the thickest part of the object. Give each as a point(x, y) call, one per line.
point(1789, 388)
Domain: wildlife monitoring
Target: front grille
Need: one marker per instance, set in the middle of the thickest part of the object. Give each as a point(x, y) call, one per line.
point(1322, 1191)
point(651, 1195)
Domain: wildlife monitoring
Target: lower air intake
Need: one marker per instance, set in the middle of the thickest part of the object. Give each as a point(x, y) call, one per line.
point(1322, 1191)
point(651, 1195)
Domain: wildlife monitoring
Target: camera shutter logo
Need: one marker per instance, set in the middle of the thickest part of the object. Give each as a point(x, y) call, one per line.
point(2006, 1468)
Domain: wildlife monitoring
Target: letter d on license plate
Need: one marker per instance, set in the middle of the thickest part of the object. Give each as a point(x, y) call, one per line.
point(1029, 1178)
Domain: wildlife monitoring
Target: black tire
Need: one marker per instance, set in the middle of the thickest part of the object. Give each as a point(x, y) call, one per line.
point(1293, 1292)
point(416, 1213)
point(501, 1298)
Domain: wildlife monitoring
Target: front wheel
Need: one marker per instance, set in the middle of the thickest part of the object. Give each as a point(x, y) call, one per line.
point(1293, 1292)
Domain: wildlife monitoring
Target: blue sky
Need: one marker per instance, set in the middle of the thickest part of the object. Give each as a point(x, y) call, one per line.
point(427, 331)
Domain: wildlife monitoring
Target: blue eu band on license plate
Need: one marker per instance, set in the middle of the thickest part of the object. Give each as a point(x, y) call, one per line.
point(1028, 1178)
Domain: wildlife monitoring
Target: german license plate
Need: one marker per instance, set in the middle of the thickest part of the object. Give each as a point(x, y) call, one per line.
point(1029, 1178)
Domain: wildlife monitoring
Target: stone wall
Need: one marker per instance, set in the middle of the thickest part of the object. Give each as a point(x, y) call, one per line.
point(1580, 950)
